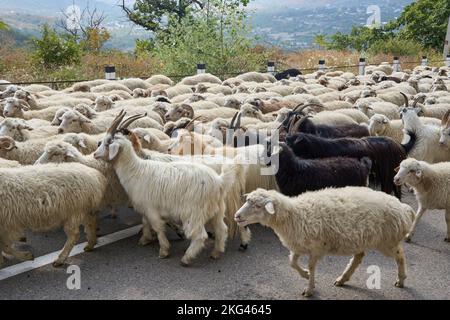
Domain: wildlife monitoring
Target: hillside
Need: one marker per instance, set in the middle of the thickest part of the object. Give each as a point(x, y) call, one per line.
point(290, 24)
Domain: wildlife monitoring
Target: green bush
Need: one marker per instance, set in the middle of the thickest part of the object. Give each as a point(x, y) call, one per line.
point(396, 47)
point(53, 50)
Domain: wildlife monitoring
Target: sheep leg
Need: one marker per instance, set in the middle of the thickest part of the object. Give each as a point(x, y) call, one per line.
point(90, 227)
point(246, 236)
point(160, 228)
point(113, 213)
point(293, 258)
point(420, 213)
point(72, 232)
point(197, 243)
point(18, 254)
point(399, 255)
point(148, 235)
point(308, 292)
point(447, 220)
point(350, 269)
point(220, 232)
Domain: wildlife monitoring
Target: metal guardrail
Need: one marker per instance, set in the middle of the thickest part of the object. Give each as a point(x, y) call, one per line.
point(270, 69)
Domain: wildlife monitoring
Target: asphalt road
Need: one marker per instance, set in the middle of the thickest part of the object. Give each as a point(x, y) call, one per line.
point(124, 270)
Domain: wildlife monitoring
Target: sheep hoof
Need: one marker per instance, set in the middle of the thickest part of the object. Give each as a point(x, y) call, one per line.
point(408, 238)
point(307, 293)
point(180, 235)
point(184, 263)
point(339, 282)
point(216, 255)
point(88, 248)
point(163, 254)
point(243, 247)
point(399, 284)
point(143, 241)
point(58, 264)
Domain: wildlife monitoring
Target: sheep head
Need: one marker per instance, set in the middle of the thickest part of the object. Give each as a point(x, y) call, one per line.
point(58, 116)
point(259, 207)
point(139, 93)
point(410, 172)
point(58, 152)
point(249, 110)
point(9, 92)
point(179, 111)
point(103, 103)
point(77, 140)
point(85, 110)
point(14, 107)
point(72, 121)
point(444, 139)
point(201, 88)
point(147, 139)
point(378, 124)
point(232, 103)
point(13, 127)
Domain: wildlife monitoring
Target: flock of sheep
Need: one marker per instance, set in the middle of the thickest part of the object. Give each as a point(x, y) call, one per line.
point(190, 156)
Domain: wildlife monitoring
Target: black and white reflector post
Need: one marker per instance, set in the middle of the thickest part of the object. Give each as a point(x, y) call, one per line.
point(424, 61)
point(322, 65)
point(362, 66)
point(271, 67)
point(110, 73)
point(396, 64)
point(201, 68)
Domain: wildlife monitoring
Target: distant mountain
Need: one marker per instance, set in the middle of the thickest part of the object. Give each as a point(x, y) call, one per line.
point(290, 24)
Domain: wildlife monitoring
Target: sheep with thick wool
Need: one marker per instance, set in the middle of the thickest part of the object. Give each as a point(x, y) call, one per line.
point(322, 223)
point(61, 152)
point(20, 109)
point(190, 193)
point(431, 184)
point(66, 195)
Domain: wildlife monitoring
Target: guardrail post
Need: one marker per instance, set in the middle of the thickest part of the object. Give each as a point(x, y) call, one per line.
point(396, 64)
point(424, 61)
point(322, 65)
point(271, 67)
point(110, 73)
point(201, 68)
point(362, 66)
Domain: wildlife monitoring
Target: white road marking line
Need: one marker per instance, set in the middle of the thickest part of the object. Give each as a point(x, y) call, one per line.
point(49, 258)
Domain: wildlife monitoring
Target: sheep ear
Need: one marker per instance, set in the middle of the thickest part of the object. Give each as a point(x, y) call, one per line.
point(85, 120)
point(113, 150)
point(385, 121)
point(70, 154)
point(82, 144)
point(270, 208)
point(419, 173)
point(147, 138)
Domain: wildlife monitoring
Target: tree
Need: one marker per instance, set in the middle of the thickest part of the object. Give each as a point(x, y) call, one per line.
point(53, 50)
point(424, 21)
point(150, 13)
point(3, 26)
point(90, 32)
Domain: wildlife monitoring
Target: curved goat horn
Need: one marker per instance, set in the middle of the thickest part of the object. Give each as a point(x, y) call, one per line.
point(190, 125)
point(232, 126)
point(444, 122)
point(126, 123)
point(238, 121)
point(406, 99)
point(115, 124)
point(416, 101)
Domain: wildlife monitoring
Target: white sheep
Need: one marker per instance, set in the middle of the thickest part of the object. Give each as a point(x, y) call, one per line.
point(256, 77)
point(109, 87)
point(159, 79)
point(64, 195)
point(200, 78)
point(431, 184)
point(323, 223)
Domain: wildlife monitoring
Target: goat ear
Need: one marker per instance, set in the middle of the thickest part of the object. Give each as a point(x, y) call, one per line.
point(147, 138)
point(270, 208)
point(397, 169)
point(113, 150)
point(419, 173)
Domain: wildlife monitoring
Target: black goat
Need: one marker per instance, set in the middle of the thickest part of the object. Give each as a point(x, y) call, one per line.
point(286, 74)
point(297, 121)
point(385, 153)
point(295, 176)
